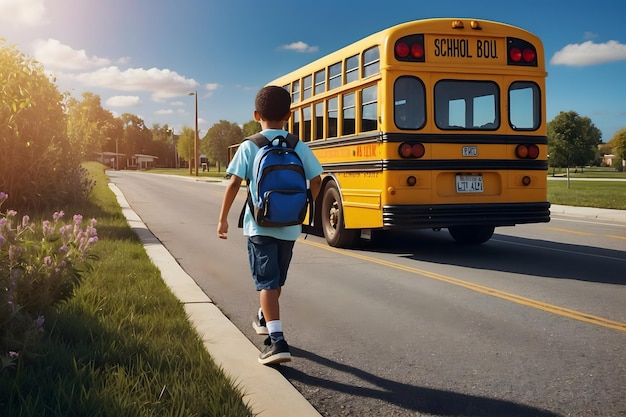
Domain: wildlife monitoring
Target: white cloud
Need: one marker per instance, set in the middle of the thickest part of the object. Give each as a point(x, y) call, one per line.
point(53, 54)
point(164, 112)
point(210, 88)
point(298, 47)
point(163, 83)
point(590, 35)
point(124, 101)
point(22, 12)
point(589, 53)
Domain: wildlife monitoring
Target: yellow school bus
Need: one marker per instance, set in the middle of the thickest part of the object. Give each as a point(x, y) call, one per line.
point(436, 123)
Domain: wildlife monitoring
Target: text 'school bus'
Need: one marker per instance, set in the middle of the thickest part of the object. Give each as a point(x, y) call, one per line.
point(436, 123)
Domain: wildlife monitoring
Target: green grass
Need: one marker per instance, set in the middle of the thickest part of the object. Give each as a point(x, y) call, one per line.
point(588, 172)
point(601, 194)
point(123, 345)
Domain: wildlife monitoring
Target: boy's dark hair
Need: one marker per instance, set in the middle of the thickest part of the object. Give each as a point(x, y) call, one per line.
point(273, 103)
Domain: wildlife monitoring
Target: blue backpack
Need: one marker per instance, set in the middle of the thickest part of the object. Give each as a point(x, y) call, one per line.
point(283, 194)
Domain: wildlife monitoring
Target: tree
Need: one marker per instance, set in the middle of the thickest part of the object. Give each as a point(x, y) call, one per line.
point(618, 144)
point(38, 166)
point(137, 137)
point(90, 127)
point(217, 140)
point(572, 140)
point(163, 145)
point(250, 128)
point(185, 145)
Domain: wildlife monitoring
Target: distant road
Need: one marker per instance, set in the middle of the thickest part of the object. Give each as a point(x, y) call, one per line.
point(531, 323)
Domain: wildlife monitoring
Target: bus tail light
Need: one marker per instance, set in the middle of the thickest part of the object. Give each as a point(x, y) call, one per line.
point(410, 48)
point(526, 181)
point(521, 52)
point(527, 151)
point(411, 150)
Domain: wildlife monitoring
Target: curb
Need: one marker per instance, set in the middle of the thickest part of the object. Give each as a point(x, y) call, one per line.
point(589, 212)
point(264, 389)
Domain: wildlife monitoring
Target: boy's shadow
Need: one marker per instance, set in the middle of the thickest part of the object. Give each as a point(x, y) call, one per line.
point(417, 399)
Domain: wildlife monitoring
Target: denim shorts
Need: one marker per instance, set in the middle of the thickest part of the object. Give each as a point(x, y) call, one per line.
point(269, 261)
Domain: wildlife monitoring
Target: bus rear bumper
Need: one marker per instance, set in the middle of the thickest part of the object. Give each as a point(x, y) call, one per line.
point(446, 215)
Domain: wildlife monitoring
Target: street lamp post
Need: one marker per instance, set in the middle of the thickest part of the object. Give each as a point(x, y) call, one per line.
point(117, 156)
point(195, 140)
point(171, 132)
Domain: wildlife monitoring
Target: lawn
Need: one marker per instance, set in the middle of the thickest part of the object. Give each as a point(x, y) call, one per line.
point(601, 194)
point(122, 346)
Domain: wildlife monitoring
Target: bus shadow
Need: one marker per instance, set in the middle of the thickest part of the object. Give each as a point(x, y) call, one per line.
point(408, 397)
point(534, 257)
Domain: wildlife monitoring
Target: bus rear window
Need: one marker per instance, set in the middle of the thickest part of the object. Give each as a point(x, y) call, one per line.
point(467, 105)
point(409, 110)
point(524, 106)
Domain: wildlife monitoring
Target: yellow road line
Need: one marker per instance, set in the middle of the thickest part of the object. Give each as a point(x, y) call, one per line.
point(529, 302)
point(555, 229)
point(616, 237)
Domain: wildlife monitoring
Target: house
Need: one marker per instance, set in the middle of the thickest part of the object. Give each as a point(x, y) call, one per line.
point(111, 159)
point(137, 161)
point(141, 161)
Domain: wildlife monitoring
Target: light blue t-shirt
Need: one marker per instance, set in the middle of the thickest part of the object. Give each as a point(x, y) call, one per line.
point(241, 166)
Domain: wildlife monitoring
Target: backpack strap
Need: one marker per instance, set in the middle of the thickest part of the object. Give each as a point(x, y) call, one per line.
point(258, 139)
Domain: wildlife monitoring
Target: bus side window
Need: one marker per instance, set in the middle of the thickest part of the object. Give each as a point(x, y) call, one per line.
point(319, 120)
point(409, 103)
point(295, 92)
point(352, 69)
point(334, 76)
point(349, 114)
point(307, 91)
point(306, 121)
point(371, 62)
point(296, 122)
point(369, 109)
point(333, 114)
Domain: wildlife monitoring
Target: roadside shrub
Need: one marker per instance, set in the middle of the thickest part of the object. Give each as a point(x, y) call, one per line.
point(39, 168)
point(40, 266)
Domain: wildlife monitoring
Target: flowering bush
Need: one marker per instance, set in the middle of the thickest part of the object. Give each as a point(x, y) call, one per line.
point(40, 265)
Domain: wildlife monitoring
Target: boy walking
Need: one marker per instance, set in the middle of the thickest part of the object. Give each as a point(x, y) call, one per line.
point(269, 248)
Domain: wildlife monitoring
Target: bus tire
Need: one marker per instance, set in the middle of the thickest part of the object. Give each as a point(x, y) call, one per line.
point(471, 235)
point(333, 224)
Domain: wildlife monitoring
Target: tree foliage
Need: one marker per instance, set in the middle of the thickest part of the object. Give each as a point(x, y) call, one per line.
point(618, 143)
point(250, 128)
point(90, 127)
point(137, 137)
point(217, 140)
point(572, 140)
point(38, 165)
point(186, 143)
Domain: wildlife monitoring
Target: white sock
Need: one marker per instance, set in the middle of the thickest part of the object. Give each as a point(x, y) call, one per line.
point(274, 326)
point(260, 313)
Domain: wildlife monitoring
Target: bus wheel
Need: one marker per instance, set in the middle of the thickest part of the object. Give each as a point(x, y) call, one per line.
point(333, 224)
point(473, 235)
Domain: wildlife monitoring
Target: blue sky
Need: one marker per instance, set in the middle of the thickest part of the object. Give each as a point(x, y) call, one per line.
point(145, 56)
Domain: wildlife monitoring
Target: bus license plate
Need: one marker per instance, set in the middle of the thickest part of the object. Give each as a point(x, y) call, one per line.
point(469, 183)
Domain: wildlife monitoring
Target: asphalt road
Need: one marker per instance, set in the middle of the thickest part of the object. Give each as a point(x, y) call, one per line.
point(532, 323)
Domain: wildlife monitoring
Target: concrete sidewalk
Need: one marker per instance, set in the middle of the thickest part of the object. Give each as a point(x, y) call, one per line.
point(265, 390)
